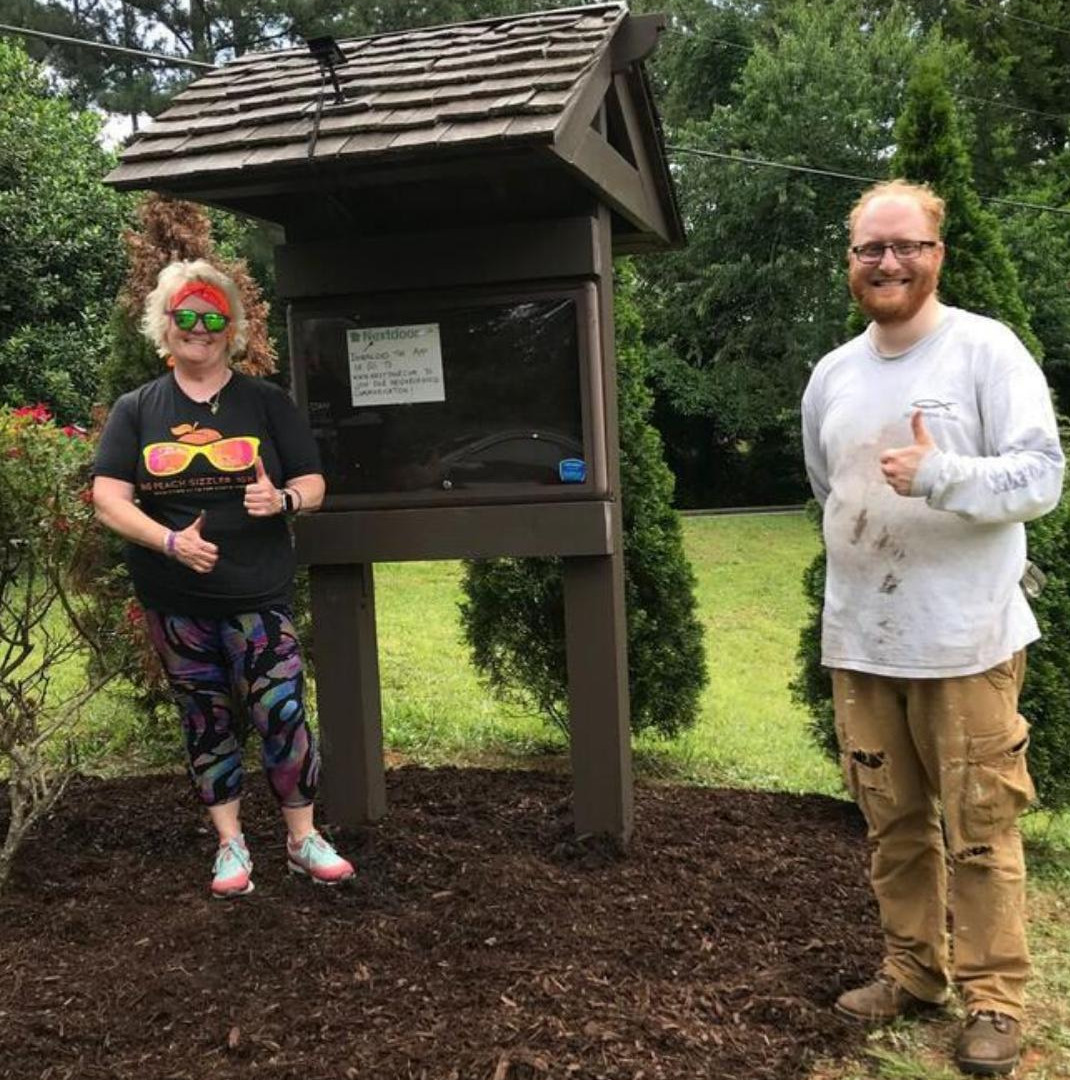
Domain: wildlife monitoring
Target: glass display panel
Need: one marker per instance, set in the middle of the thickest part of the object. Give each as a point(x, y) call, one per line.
point(453, 402)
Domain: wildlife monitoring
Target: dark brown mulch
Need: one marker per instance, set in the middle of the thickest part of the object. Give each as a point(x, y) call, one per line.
point(479, 941)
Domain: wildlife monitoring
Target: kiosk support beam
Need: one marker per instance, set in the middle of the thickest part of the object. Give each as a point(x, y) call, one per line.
point(596, 626)
point(596, 643)
point(347, 692)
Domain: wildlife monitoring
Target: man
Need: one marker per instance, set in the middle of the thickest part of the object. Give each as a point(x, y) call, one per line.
point(929, 439)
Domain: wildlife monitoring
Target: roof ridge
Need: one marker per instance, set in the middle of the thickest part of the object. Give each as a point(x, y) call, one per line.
point(580, 9)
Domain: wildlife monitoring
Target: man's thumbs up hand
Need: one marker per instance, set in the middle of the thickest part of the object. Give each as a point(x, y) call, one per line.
point(921, 432)
point(900, 465)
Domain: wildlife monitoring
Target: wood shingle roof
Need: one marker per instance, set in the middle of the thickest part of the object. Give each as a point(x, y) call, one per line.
point(499, 79)
point(561, 96)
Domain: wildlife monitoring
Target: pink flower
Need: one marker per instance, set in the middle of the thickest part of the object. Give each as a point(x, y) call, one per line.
point(73, 431)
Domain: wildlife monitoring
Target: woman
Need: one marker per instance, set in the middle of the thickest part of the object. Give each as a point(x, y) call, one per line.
point(198, 471)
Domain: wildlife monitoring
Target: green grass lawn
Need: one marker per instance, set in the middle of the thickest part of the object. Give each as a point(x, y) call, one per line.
point(750, 733)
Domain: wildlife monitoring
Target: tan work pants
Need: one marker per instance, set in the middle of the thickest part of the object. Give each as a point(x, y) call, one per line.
point(911, 748)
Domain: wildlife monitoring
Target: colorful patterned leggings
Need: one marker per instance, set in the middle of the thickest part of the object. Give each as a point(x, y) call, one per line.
point(219, 668)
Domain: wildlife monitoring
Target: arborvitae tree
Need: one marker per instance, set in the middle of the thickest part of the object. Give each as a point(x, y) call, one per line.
point(978, 275)
point(978, 272)
point(513, 614)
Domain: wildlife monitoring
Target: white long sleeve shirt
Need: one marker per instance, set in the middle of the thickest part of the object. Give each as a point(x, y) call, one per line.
point(926, 586)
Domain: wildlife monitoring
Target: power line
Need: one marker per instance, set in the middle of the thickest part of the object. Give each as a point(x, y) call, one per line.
point(1016, 108)
point(813, 170)
point(743, 160)
point(960, 97)
point(178, 61)
point(1016, 18)
point(731, 44)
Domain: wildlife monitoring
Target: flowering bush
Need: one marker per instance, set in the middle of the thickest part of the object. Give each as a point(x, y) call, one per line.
point(58, 601)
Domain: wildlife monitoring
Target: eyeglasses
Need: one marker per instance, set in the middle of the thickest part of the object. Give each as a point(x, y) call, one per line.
point(186, 319)
point(227, 455)
point(903, 250)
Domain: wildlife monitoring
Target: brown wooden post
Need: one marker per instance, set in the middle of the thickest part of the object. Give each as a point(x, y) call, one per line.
point(596, 632)
point(347, 692)
point(598, 695)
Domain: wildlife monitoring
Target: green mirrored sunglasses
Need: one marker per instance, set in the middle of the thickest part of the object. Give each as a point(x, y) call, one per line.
point(186, 319)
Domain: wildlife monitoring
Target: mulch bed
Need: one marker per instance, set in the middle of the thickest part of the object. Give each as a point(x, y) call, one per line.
point(480, 941)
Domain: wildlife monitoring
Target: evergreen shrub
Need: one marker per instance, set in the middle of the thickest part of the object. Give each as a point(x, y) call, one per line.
point(513, 612)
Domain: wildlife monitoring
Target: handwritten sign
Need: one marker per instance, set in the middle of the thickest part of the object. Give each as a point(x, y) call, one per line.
point(395, 365)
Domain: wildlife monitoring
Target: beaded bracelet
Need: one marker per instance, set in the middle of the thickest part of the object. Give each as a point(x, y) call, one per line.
point(169, 544)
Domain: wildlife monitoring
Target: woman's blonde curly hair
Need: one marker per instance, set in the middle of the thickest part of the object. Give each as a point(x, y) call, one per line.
point(156, 318)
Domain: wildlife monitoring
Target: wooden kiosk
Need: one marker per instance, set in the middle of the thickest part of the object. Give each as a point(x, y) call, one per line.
point(451, 200)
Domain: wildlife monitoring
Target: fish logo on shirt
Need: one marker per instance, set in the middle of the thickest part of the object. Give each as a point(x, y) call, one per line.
point(935, 409)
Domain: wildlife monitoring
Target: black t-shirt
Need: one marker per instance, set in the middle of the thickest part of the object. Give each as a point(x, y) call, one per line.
point(182, 458)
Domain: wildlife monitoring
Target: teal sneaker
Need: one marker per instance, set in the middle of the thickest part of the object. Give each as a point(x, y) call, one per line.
point(315, 858)
point(232, 869)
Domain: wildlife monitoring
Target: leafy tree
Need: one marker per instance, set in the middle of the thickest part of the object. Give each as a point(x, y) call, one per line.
point(1016, 89)
point(698, 62)
point(736, 319)
point(211, 33)
point(513, 614)
point(60, 257)
point(1039, 243)
point(116, 83)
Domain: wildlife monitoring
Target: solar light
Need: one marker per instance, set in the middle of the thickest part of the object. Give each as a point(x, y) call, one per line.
point(326, 51)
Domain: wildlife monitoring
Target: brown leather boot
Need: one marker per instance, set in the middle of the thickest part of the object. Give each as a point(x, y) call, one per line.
point(989, 1044)
point(881, 1000)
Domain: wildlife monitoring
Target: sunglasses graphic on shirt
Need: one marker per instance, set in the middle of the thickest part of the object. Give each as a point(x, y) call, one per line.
point(227, 455)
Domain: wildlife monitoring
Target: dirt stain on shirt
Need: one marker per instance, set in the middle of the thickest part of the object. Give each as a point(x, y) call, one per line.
point(860, 525)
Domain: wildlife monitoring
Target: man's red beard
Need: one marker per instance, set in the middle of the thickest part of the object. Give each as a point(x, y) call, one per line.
point(891, 303)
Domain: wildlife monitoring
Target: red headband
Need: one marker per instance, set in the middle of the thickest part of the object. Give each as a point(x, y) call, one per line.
point(209, 293)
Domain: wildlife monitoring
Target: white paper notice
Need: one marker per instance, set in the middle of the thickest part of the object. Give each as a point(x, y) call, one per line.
point(395, 365)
